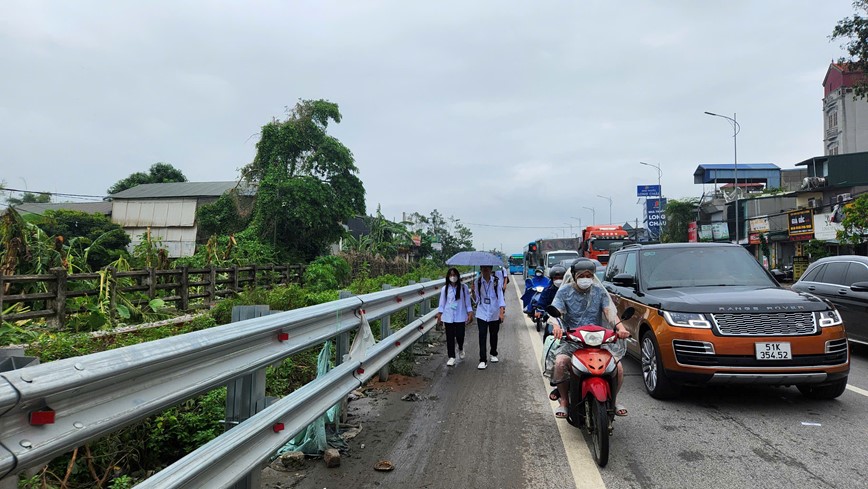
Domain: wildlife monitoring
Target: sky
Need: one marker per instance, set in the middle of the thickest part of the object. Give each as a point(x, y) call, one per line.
point(512, 117)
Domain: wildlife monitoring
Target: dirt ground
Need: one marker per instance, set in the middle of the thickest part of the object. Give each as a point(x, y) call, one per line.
point(383, 417)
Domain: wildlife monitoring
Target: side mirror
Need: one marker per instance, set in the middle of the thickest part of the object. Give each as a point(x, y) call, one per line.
point(624, 280)
point(628, 313)
point(859, 287)
point(553, 311)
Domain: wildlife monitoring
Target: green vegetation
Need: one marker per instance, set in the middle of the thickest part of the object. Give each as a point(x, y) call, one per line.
point(855, 222)
point(679, 213)
point(158, 173)
point(853, 32)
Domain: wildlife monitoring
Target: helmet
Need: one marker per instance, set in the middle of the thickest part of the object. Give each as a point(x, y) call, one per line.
point(557, 271)
point(581, 265)
point(538, 270)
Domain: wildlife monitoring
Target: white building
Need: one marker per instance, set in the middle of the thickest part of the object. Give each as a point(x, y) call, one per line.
point(168, 210)
point(845, 121)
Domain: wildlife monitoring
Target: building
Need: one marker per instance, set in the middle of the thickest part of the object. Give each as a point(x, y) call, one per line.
point(845, 119)
point(168, 211)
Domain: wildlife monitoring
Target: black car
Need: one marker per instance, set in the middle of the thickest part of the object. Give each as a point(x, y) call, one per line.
point(843, 281)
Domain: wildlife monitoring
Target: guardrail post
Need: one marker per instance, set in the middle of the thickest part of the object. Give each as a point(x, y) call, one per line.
point(59, 297)
point(385, 331)
point(411, 311)
point(245, 396)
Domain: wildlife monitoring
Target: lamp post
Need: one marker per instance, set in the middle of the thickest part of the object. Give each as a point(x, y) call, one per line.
point(580, 222)
point(659, 187)
point(610, 206)
point(593, 215)
point(735, 130)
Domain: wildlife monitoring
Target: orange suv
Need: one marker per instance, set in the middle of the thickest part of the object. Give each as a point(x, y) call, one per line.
point(708, 313)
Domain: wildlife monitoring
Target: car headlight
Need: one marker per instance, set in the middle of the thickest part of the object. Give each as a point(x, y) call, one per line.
point(687, 319)
point(828, 318)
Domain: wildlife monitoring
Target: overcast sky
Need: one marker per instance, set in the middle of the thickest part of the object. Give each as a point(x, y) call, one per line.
point(512, 114)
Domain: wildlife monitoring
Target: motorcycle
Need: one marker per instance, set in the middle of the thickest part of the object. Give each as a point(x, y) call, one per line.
point(532, 308)
point(592, 382)
point(783, 274)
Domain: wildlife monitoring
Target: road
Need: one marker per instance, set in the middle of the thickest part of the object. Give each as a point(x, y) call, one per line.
point(495, 429)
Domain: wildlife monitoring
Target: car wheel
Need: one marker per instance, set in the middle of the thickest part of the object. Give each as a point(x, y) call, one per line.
point(823, 391)
point(654, 376)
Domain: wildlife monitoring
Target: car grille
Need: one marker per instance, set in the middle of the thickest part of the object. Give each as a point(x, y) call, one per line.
point(836, 346)
point(751, 362)
point(771, 324)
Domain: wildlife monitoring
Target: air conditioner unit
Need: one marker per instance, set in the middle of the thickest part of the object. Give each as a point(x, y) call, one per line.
point(843, 198)
point(814, 203)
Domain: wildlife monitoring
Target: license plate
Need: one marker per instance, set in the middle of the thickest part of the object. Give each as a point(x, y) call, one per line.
point(773, 351)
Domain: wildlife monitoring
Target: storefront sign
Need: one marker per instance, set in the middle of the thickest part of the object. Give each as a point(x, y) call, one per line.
point(705, 233)
point(824, 229)
point(759, 225)
point(719, 231)
point(800, 224)
point(753, 238)
point(655, 215)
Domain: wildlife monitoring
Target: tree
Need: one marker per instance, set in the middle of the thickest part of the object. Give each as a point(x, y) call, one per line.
point(158, 173)
point(854, 32)
point(98, 240)
point(855, 222)
point(679, 213)
point(307, 183)
point(435, 234)
point(224, 216)
point(28, 198)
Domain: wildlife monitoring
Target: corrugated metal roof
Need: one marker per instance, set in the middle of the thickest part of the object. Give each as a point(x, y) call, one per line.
point(741, 166)
point(104, 208)
point(181, 189)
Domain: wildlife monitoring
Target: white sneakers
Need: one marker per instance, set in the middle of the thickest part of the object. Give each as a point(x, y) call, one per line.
point(481, 366)
point(494, 359)
point(450, 362)
point(461, 354)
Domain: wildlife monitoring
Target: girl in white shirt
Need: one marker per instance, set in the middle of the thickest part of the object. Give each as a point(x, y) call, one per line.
point(454, 310)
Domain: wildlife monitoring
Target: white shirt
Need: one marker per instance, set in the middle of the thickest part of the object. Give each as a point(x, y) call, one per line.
point(451, 310)
point(489, 298)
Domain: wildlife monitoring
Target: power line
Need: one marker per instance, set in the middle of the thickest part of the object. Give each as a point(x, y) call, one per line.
point(514, 227)
point(58, 194)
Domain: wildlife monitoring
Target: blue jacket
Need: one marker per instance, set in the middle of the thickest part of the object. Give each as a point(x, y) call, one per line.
point(531, 283)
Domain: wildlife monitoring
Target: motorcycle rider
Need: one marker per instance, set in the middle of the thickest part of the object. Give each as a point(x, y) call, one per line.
point(582, 300)
point(531, 283)
point(556, 275)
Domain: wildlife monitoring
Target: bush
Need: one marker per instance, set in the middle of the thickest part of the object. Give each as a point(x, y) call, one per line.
point(327, 272)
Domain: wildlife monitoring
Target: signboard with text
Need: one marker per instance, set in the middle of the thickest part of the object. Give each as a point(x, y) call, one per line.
point(654, 216)
point(800, 224)
point(648, 190)
point(719, 231)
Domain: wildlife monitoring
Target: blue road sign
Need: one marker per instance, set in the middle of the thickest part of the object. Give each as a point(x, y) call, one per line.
point(655, 216)
point(648, 190)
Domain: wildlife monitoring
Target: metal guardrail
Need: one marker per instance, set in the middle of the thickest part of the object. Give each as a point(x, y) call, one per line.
point(97, 394)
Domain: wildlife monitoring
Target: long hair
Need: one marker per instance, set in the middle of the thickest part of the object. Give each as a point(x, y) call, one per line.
point(458, 286)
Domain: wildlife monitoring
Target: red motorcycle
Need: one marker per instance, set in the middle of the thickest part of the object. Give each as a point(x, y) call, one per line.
point(593, 379)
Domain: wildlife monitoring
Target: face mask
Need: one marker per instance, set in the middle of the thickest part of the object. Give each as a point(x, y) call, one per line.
point(584, 283)
point(558, 282)
point(453, 279)
point(539, 274)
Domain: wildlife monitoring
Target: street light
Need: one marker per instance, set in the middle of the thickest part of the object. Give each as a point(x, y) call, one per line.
point(659, 188)
point(593, 215)
point(580, 221)
point(735, 130)
point(610, 206)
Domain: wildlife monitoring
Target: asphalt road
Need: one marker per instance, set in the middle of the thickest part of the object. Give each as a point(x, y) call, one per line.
point(495, 429)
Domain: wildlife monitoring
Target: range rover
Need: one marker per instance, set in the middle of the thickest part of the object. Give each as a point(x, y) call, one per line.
point(709, 313)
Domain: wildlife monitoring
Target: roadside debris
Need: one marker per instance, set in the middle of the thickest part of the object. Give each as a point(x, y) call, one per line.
point(332, 458)
point(412, 397)
point(384, 466)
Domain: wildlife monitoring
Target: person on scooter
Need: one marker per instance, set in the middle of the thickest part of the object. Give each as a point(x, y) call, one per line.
point(556, 275)
point(582, 300)
point(531, 283)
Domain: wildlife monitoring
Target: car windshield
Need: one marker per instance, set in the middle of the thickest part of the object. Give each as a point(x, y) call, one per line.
point(701, 267)
point(603, 244)
point(555, 258)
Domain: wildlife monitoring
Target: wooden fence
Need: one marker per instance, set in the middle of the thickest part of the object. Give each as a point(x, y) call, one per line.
point(182, 286)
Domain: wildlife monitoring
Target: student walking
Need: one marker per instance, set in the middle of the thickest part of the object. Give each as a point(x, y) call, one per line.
point(490, 308)
point(454, 311)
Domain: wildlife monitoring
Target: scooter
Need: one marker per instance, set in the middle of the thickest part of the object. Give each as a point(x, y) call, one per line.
point(592, 382)
point(531, 308)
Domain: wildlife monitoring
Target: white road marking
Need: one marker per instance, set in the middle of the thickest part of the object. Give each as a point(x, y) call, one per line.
point(586, 474)
point(857, 390)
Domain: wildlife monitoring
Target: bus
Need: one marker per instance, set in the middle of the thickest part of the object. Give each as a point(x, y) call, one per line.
point(516, 264)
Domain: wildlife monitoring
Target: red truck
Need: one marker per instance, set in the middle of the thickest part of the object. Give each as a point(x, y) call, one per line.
point(599, 241)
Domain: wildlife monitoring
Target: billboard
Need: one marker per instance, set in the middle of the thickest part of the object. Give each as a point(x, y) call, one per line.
point(801, 224)
point(648, 190)
point(655, 218)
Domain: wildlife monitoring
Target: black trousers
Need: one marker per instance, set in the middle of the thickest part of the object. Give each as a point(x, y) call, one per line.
point(454, 334)
point(484, 328)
